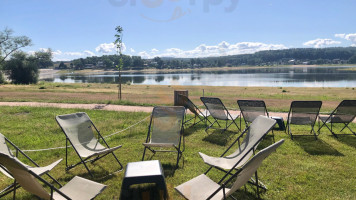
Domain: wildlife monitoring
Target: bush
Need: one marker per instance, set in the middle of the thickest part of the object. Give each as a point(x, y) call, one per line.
point(22, 69)
point(2, 78)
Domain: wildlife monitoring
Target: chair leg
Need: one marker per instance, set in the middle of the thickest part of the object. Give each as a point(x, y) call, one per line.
point(14, 196)
point(178, 152)
point(143, 155)
point(121, 167)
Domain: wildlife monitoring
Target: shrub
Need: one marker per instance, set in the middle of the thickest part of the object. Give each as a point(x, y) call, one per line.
point(22, 69)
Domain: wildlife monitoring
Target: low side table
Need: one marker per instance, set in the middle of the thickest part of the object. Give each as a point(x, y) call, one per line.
point(143, 172)
point(280, 122)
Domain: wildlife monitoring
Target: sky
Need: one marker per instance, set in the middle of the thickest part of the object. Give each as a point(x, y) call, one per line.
point(179, 28)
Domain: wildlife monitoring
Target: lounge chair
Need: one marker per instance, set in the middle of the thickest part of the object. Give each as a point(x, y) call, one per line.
point(5, 149)
point(303, 113)
point(77, 188)
point(344, 113)
point(202, 187)
point(78, 129)
point(219, 112)
point(166, 130)
point(252, 136)
point(251, 109)
point(198, 114)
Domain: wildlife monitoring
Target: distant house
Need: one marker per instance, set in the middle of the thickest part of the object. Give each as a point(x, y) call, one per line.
point(336, 61)
point(100, 64)
point(89, 66)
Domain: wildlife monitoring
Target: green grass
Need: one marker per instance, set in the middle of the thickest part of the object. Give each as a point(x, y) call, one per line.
point(299, 169)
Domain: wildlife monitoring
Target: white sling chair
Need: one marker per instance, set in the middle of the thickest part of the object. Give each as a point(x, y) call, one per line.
point(4, 148)
point(77, 188)
point(253, 135)
point(79, 131)
point(202, 187)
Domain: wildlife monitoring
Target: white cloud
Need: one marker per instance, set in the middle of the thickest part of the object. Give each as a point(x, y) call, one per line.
point(89, 53)
point(58, 55)
point(221, 49)
point(105, 48)
point(144, 54)
point(340, 35)
point(351, 37)
point(108, 48)
point(132, 50)
point(154, 51)
point(319, 43)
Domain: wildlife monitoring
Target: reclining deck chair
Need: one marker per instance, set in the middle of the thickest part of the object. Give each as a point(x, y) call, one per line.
point(251, 109)
point(344, 113)
point(219, 112)
point(188, 104)
point(78, 129)
point(166, 130)
point(202, 187)
point(253, 135)
point(303, 113)
point(77, 188)
point(4, 148)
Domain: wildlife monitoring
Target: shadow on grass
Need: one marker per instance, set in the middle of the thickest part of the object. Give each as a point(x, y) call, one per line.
point(216, 137)
point(169, 169)
point(266, 141)
point(316, 147)
point(349, 139)
point(144, 191)
point(189, 130)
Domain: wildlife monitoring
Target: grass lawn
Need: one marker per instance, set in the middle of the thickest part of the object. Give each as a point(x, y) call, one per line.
point(302, 168)
point(276, 98)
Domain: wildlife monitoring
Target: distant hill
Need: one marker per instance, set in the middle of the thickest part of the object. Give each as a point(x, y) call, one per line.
point(306, 56)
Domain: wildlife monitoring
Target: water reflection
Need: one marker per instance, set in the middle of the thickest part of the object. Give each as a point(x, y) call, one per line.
point(274, 77)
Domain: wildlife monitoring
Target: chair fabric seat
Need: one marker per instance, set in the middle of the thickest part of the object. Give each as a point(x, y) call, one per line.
point(83, 152)
point(225, 162)
point(193, 189)
point(253, 135)
point(42, 170)
point(80, 188)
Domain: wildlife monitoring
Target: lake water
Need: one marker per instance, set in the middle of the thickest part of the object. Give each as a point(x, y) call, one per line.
point(270, 76)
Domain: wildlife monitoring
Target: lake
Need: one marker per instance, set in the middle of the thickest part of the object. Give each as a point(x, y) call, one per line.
point(341, 76)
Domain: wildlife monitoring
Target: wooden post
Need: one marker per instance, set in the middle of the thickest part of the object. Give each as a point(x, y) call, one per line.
point(176, 97)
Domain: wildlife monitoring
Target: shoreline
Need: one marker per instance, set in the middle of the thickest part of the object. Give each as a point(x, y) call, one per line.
point(48, 73)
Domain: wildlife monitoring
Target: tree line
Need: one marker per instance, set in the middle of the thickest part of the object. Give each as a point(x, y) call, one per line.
point(306, 56)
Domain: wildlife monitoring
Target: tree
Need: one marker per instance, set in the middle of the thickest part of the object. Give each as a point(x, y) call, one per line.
point(10, 44)
point(44, 58)
point(62, 66)
point(352, 60)
point(118, 43)
point(137, 62)
point(22, 69)
point(159, 62)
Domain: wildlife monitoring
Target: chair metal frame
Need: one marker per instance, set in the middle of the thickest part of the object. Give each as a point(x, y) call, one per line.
point(178, 149)
point(14, 186)
point(216, 118)
point(335, 115)
point(189, 105)
point(313, 104)
point(256, 182)
point(222, 185)
point(89, 158)
point(52, 187)
point(243, 105)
